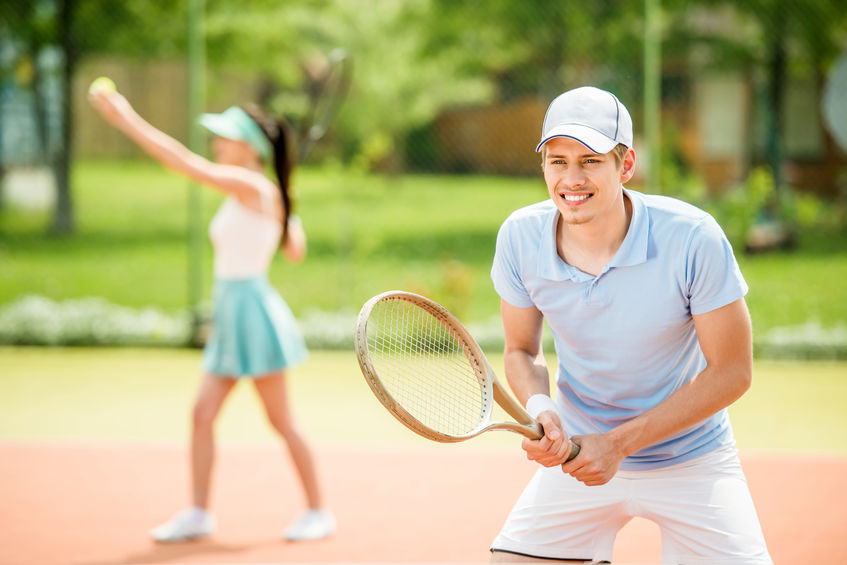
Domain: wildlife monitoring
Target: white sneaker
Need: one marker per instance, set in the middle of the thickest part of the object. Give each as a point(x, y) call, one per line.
point(185, 525)
point(312, 525)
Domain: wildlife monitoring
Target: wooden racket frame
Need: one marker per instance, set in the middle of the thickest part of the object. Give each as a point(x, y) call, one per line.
point(311, 130)
point(524, 424)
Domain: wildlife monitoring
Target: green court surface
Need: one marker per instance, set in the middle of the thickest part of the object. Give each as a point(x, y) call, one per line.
point(144, 395)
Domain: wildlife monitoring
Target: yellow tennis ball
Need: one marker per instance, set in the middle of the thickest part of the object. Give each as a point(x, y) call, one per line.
point(102, 84)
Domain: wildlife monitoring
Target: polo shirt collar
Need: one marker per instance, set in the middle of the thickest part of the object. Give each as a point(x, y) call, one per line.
point(633, 249)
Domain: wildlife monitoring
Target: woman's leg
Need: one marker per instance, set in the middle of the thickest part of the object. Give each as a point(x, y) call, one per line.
point(272, 390)
point(213, 391)
point(195, 521)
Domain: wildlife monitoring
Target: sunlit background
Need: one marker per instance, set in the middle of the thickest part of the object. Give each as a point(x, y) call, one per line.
point(431, 148)
point(737, 107)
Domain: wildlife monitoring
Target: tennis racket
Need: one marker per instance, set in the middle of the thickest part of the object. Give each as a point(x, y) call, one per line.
point(424, 366)
point(327, 87)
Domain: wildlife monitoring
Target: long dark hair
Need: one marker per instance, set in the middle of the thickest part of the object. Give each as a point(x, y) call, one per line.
point(279, 134)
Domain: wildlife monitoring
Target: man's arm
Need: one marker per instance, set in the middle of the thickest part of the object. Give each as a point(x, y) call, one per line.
point(526, 372)
point(725, 337)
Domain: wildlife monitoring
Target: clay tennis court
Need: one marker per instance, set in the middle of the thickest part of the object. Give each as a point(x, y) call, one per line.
point(92, 504)
point(93, 453)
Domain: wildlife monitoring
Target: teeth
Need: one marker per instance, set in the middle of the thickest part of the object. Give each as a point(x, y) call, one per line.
point(576, 197)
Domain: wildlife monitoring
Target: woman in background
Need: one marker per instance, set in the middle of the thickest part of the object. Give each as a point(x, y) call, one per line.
point(254, 334)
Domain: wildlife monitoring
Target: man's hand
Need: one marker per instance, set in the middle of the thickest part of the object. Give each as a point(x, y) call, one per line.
point(598, 460)
point(554, 447)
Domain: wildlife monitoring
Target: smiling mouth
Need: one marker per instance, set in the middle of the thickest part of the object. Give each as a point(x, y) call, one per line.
point(576, 197)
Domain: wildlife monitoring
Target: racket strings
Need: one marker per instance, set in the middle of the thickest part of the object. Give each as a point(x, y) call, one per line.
point(426, 367)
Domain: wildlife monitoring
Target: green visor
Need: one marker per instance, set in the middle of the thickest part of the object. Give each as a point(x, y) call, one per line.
point(235, 123)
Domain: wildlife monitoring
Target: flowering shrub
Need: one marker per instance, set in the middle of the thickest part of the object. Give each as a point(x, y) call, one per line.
point(35, 320)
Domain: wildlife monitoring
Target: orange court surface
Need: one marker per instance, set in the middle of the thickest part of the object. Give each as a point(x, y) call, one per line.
point(92, 503)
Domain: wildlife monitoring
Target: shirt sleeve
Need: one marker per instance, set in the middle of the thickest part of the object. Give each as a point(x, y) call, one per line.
point(506, 271)
point(713, 277)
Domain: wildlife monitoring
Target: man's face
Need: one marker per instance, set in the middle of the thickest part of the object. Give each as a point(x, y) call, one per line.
point(584, 185)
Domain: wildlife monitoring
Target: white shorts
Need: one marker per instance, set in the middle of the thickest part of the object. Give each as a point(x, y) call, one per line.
point(703, 508)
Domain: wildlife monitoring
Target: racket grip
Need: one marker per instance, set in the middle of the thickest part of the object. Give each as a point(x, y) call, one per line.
point(574, 451)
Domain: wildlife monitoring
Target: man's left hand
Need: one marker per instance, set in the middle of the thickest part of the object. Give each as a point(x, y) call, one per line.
point(598, 460)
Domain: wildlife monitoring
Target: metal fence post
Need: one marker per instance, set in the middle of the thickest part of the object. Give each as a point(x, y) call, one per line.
point(196, 138)
point(653, 94)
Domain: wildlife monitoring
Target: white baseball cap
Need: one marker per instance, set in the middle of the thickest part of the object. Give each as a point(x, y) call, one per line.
point(594, 117)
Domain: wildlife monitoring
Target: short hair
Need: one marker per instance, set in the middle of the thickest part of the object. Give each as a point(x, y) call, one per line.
point(619, 152)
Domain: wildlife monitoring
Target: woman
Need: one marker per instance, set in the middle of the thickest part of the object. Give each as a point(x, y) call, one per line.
point(254, 332)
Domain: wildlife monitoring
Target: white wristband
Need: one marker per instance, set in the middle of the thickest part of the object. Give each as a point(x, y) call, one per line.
point(538, 403)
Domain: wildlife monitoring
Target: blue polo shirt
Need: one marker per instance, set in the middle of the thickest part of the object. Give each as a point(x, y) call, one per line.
point(625, 339)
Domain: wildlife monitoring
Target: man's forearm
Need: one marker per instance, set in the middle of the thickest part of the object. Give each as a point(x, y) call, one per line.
point(527, 374)
point(710, 391)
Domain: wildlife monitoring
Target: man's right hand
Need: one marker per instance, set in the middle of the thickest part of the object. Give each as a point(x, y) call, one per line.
point(554, 447)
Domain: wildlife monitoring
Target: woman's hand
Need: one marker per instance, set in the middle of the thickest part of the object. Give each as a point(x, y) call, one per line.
point(111, 105)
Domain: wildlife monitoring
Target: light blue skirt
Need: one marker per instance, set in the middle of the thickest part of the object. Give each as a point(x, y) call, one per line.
point(253, 330)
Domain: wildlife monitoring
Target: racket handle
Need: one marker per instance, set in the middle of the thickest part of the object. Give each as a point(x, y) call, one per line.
point(539, 433)
point(574, 451)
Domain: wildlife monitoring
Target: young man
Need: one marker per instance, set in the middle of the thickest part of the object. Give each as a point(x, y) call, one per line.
point(653, 338)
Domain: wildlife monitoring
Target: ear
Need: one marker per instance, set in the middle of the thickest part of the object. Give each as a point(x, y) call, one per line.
point(628, 165)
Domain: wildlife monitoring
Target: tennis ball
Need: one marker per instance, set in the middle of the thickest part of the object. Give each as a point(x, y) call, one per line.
point(102, 84)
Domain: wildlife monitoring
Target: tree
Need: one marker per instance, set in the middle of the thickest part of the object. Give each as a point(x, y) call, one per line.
point(397, 84)
point(77, 29)
point(770, 40)
point(542, 48)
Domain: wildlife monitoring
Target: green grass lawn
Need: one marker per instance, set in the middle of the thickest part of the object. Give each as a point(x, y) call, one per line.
point(144, 395)
point(366, 234)
point(431, 234)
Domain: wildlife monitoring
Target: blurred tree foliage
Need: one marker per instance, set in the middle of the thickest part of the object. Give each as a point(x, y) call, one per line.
point(414, 58)
point(398, 82)
point(535, 47)
point(768, 41)
point(29, 29)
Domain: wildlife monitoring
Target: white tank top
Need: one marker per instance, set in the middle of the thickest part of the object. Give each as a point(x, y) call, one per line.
point(244, 241)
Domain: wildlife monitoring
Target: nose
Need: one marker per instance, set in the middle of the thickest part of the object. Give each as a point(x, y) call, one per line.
point(573, 177)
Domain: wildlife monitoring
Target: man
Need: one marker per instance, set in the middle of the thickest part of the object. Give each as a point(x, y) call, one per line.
point(653, 339)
